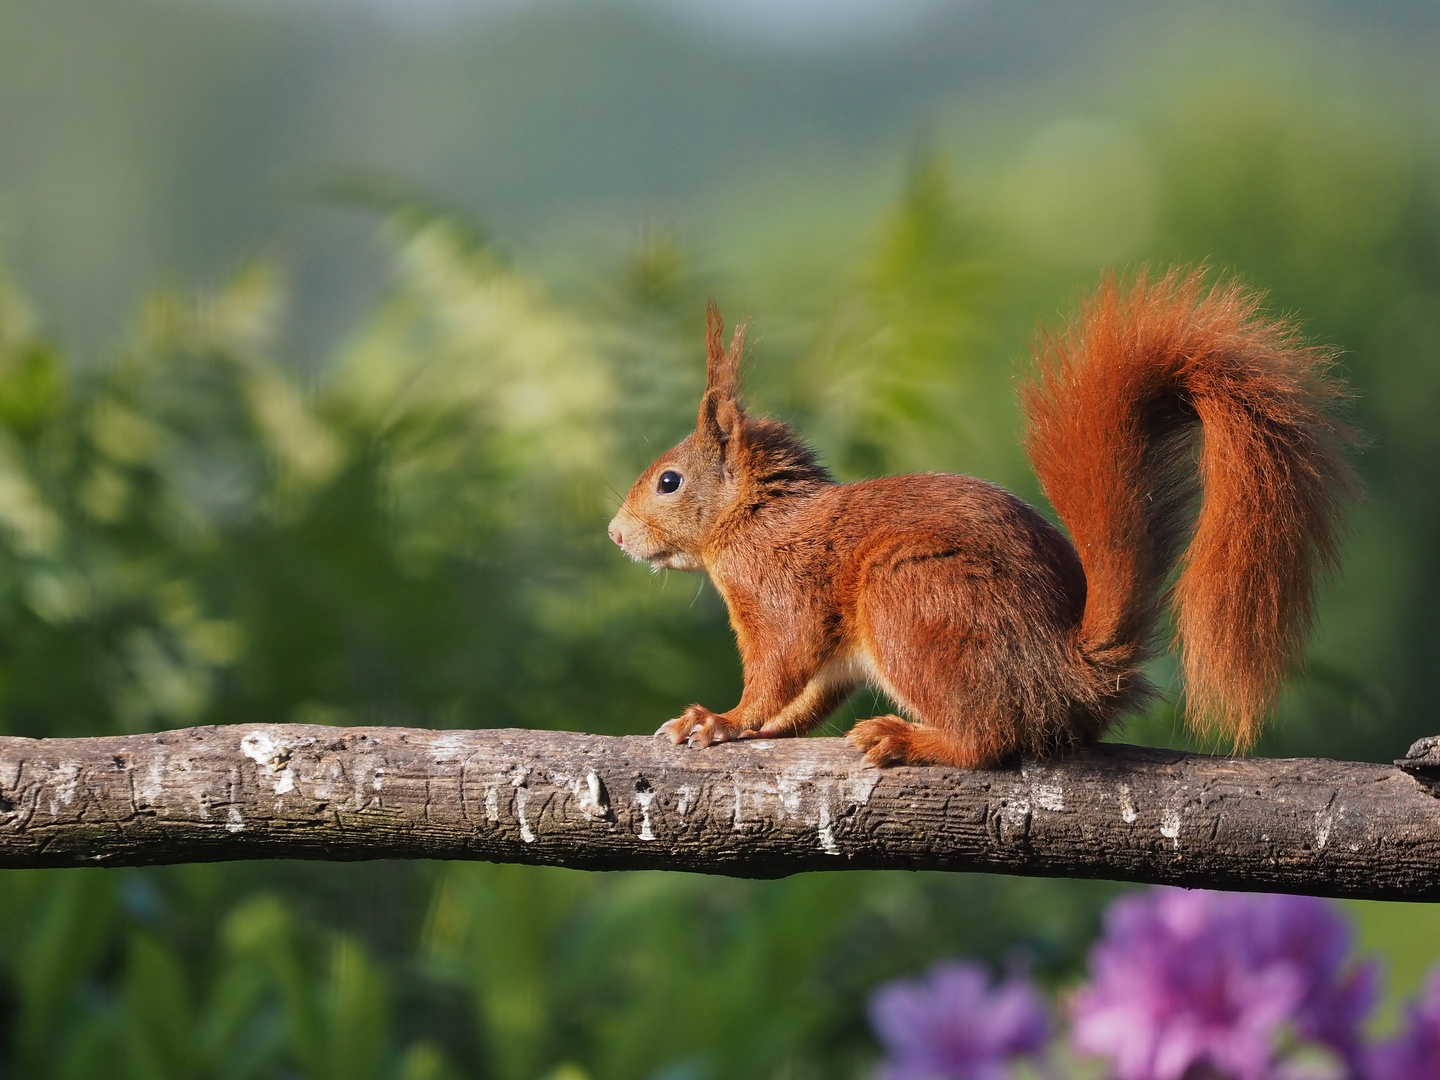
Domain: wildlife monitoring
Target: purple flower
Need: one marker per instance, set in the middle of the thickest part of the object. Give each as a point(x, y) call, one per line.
point(1184, 980)
point(1415, 1053)
point(953, 1025)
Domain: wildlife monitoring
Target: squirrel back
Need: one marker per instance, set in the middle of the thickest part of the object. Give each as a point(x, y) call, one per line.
point(1149, 395)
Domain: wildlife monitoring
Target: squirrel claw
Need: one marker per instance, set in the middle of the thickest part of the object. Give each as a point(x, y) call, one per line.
point(710, 730)
point(677, 730)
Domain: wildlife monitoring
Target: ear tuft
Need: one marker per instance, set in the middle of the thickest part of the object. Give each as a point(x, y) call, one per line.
point(714, 344)
point(722, 419)
point(722, 365)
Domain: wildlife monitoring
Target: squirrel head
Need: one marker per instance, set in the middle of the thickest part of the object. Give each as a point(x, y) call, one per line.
point(729, 465)
point(672, 508)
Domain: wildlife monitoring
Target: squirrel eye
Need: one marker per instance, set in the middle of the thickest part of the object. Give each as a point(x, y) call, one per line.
point(669, 482)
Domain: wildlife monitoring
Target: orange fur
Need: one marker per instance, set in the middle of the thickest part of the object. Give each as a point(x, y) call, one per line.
point(968, 608)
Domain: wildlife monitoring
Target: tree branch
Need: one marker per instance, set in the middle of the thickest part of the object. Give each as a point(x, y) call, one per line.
point(756, 809)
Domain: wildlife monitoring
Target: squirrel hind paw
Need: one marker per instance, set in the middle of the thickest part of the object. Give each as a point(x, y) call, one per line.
point(884, 740)
point(893, 740)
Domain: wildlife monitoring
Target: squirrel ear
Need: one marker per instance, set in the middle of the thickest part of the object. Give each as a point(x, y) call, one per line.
point(721, 423)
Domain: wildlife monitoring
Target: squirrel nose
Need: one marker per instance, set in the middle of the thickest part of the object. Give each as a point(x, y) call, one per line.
point(616, 534)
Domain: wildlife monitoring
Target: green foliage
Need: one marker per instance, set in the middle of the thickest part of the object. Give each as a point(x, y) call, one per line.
point(900, 371)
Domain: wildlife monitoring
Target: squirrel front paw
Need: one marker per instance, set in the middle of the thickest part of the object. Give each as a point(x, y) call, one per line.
point(699, 727)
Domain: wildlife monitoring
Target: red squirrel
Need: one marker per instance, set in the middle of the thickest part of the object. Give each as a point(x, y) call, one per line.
point(992, 631)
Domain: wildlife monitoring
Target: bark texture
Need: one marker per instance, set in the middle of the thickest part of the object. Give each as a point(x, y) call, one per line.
point(754, 809)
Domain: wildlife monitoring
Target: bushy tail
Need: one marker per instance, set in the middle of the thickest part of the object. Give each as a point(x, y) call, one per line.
point(1113, 415)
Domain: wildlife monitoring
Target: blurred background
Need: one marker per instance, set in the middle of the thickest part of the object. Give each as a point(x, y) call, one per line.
point(330, 330)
